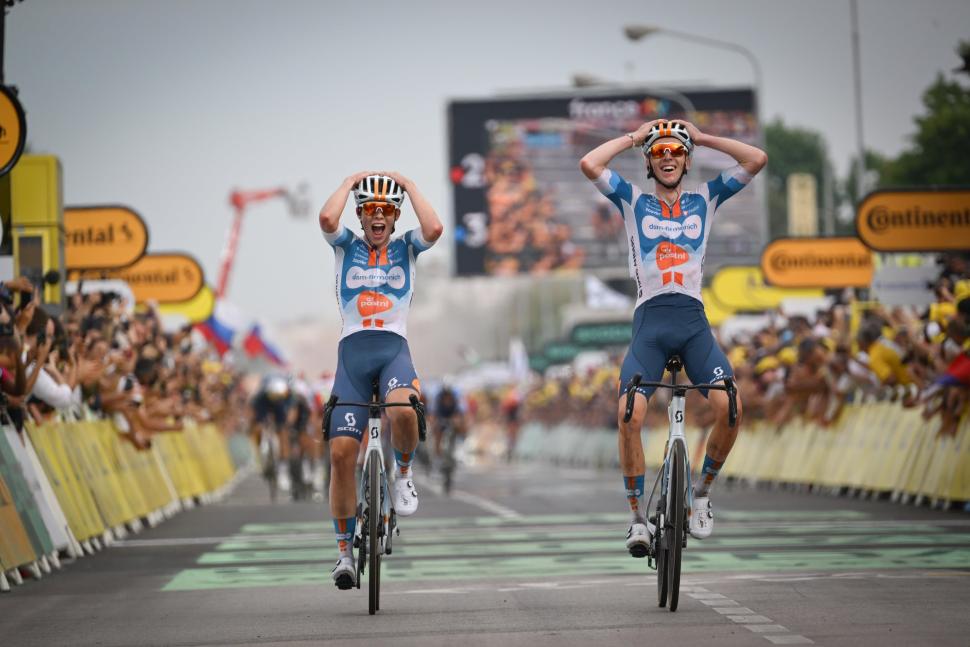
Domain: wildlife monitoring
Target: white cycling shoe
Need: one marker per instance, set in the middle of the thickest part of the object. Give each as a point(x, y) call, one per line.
point(639, 538)
point(701, 518)
point(405, 496)
point(344, 573)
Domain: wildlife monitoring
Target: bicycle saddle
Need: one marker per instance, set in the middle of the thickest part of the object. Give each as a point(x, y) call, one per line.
point(674, 364)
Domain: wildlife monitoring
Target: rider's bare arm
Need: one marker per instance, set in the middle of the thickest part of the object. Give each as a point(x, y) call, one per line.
point(750, 158)
point(595, 162)
point(334, 206)
point(431, 226)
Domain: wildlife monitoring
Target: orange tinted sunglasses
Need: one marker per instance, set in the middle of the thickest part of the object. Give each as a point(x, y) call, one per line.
point(370, 208)
point(657, 151)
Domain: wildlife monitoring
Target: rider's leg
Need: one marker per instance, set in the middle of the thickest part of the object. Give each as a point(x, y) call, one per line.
point(404, 428)
point(719, 443)
point(343, 486)
point(343, 506)
point(631, 454)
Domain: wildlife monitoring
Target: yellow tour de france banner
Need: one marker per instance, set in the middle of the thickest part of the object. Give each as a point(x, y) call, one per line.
point(195, 310)
point(103, 237)
point(742, 288)
point(915, 220)
point(163, 277)
point(817, 263)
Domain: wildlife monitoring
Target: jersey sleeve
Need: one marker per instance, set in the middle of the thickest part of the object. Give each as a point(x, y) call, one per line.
point(616, 189)
point(416, 242)
point(727, 184)
point(340, 238)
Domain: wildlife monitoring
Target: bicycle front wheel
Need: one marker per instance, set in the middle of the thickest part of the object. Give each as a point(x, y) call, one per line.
point(677, 519)
point(374, 515)
point(660, 549)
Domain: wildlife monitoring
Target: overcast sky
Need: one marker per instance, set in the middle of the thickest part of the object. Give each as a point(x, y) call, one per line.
point(166, 106)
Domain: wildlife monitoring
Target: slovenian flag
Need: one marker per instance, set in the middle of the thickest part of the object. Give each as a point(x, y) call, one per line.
point(256, 346)
point(221, 326)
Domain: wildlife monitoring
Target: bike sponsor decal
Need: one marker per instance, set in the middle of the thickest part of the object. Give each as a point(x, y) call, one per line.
point(372, 303)
point(372, 277)
point(653, 227)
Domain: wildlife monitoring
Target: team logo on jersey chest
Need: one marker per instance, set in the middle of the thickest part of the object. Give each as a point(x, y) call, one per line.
point(372, 277)
point(372, 303)
point(653, 227)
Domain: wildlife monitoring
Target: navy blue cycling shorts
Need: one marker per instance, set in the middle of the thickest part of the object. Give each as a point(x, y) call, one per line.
point(667, 325)
point(363, 357)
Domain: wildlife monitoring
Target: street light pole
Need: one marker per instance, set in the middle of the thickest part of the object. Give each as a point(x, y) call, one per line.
point(639, 32)
point(860, 167)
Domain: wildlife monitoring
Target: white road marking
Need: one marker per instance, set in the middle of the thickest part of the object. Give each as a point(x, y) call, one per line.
point(789, 639)
point(765, 629)
point(749, 619)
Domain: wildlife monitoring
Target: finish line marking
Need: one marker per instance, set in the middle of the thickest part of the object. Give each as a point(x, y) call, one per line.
point(751, 620)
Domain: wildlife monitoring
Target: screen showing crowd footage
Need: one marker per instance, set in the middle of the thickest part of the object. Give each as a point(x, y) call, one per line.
point(522, 206)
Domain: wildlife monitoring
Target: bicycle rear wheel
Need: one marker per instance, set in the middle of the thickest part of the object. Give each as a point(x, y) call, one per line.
point(677, 519)
point(374, 515)
point(659, 542)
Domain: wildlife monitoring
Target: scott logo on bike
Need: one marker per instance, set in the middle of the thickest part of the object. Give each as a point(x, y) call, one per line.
point(678, 416)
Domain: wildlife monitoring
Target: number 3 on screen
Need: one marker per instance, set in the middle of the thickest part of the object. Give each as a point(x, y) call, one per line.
point(477, 229)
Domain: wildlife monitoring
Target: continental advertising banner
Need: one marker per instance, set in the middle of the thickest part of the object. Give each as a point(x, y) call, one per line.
point(522, 206)
point(162, 277)
point(103, 237)
point(817, 263)
point(915, 220)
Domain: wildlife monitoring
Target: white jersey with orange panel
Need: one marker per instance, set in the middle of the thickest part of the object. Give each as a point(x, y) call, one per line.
point(668, 242)
point(375, 287)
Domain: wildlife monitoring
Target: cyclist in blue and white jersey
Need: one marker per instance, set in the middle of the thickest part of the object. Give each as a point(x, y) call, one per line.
point(375, 282)
point(667, 231)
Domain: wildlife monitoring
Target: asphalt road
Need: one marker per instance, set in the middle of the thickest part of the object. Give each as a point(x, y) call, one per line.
point(521, 555)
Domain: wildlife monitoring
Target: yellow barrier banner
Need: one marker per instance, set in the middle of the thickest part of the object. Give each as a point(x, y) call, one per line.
point(15, 546)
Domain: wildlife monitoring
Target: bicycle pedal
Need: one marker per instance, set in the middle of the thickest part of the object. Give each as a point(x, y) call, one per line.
point(638, 551)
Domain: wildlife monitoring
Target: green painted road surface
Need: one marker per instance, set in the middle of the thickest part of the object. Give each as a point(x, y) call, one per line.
point(558, 545)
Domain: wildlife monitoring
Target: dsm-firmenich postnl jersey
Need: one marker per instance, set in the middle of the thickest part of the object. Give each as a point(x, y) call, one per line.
point(668, 242)
point(375, 287)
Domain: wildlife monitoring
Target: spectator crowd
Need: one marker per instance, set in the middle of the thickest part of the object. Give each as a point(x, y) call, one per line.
point(101, 356)
point(801, 366)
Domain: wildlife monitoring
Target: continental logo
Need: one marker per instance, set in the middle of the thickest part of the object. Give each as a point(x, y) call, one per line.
point(163, 277)
point(915, 220)
point(817, 263)
point(103, 237)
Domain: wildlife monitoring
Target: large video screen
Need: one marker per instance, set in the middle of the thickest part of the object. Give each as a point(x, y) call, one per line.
point(522, 206)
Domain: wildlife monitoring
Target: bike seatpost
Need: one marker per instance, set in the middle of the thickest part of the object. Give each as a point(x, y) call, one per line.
point(732, 392)
point(631, 390)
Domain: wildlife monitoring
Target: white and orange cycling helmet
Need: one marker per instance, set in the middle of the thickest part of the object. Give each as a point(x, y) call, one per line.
point(663, 129)
point(378, 188)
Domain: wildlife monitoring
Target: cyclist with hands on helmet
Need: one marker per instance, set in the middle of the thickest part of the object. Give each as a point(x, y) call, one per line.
point(668, 232)
point(375, 283)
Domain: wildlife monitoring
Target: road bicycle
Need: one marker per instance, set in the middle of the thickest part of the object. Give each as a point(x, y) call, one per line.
point(449, 438)
point(376, 518)
point(672, 517)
